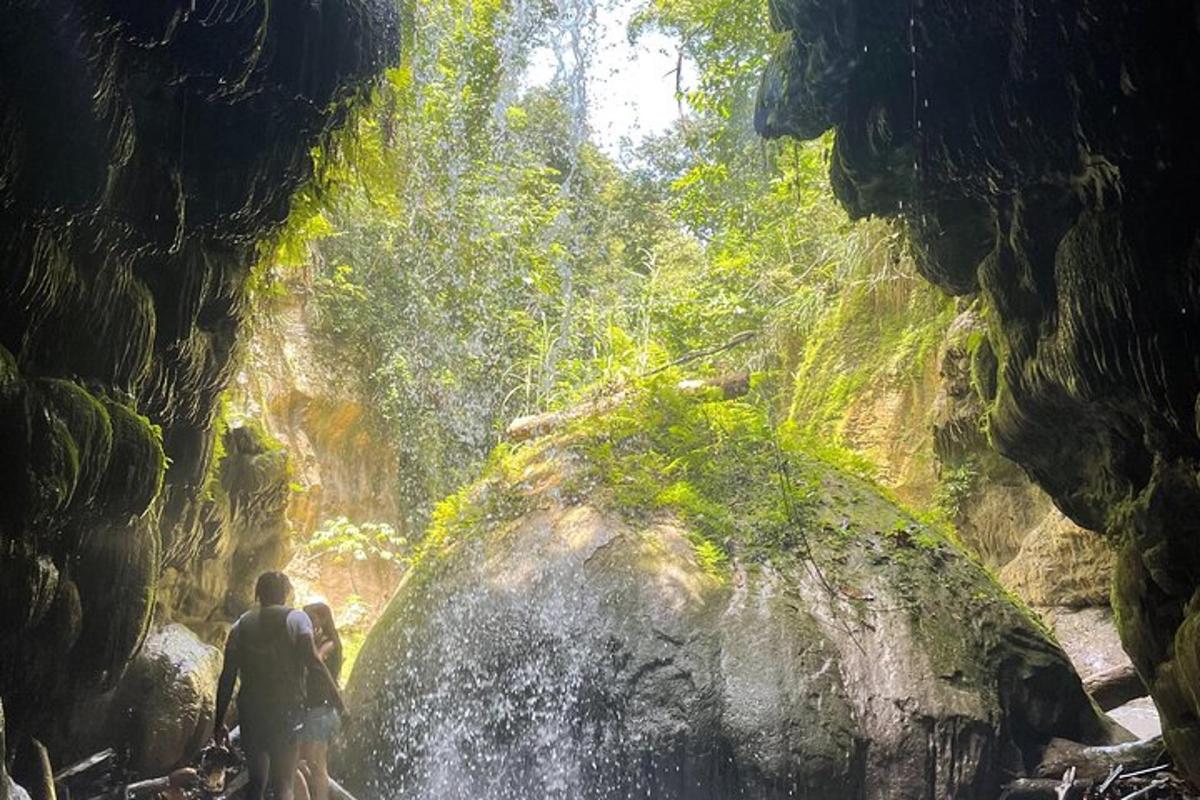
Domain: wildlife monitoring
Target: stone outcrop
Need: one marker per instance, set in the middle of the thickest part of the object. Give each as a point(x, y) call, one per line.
point(552, 643)
point(244, 517)
point(917, 413)
point(1061, 565)
point(1042, 157)
point(160, 713)
point(147, 147)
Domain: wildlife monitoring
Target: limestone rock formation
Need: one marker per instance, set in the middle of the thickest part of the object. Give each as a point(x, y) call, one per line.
point(1042, 156)
point(1061, 565)
point(147, 148)
point(553, 642)
point(245, 521)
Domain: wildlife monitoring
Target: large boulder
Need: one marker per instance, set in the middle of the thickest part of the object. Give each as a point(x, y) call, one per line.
point(164, 706)
point(658, 603)
point(161, 712)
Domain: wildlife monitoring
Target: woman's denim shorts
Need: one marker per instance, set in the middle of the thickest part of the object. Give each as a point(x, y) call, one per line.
point(320, 724)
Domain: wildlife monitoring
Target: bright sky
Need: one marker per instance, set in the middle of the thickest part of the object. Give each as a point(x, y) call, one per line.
point(631, 88)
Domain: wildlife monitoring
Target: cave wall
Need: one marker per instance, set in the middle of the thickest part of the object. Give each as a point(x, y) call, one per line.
point(145, 149)
point(1043, 154)
point(244, 509)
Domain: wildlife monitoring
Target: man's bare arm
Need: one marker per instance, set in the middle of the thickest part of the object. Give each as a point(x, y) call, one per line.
point(229, 673)
point(312, 660)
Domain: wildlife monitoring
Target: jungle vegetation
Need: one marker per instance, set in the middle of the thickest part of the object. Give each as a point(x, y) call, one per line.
point(475, 256)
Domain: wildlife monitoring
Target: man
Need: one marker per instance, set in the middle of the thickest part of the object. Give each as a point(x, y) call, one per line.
point(271, 648)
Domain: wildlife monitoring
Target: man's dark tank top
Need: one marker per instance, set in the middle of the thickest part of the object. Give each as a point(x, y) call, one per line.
point(272, 673)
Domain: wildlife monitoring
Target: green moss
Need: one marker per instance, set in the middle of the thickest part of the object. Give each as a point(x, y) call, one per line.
point(76, 445)
point(712, 559)
point(265, 459)
point(983, 365)
point(871, 334)
point(138, 464)
point(718, 466)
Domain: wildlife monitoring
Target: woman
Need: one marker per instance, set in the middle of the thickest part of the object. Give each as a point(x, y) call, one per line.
point(321, 717)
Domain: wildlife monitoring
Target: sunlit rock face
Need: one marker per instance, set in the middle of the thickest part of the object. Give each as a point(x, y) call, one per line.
point(1041, 153)
point(144, 149)
point(554, 647)
point(299, 383)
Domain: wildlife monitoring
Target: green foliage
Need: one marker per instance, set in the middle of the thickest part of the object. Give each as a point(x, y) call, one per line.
point(955, 485)
point(366, 541)
point(474, 257)
point(871, 332)
point(718, 465)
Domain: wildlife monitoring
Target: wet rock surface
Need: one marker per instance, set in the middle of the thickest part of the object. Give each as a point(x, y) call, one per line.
point(1041, 156)
point(160, 713)
point(556, 648)
point(147, 149)
point(1089, 637)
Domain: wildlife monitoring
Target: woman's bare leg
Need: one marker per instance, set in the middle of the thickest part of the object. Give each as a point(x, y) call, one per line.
point(316, 755)
point(300, 786)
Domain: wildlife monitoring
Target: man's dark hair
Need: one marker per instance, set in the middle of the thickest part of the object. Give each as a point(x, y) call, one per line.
point(272, 588)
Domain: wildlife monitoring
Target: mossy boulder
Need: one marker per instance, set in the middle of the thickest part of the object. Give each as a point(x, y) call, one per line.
point(673, 600)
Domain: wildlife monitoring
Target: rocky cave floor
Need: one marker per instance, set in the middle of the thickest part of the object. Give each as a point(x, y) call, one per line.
point(1088, 635)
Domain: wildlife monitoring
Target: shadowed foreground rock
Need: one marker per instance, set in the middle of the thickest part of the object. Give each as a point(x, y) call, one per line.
point(161, 712)
point(554, 644)
point(146, 148)
point(1040, 154)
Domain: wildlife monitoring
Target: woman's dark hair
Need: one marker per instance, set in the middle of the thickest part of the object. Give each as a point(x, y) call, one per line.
point(323, 615)
point(272, 588)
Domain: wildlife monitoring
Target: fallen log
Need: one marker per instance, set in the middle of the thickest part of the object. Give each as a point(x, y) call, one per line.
point(103, 760)
point(1113, 688)
point(31, 769)
point(1146, 791)
point(83, 778)
point(1117, 771)
point(1141, 773)
point(1096, 763)
point(731, 385)
point(1044, 789)
point(534, 426)
point(338, 792)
